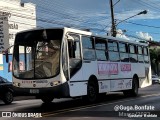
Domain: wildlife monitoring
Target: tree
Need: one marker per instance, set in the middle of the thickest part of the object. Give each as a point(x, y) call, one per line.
point(155, 59)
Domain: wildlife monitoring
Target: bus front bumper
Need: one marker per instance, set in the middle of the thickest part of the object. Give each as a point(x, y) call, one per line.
point(56, 91)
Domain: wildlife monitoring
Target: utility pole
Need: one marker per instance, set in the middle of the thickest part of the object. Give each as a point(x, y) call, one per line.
point(113, 29)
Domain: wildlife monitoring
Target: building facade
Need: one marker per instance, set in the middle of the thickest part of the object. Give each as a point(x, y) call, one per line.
point(14, 17)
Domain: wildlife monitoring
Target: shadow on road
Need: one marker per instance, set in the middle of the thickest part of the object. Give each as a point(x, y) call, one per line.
point(68, 104)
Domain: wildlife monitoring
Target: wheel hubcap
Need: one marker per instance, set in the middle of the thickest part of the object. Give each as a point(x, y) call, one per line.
point(92, 93)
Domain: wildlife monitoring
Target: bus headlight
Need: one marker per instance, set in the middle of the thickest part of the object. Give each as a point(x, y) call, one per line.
point(54, 83)
point(16, 84)
point(19, 84)
point(51, 83)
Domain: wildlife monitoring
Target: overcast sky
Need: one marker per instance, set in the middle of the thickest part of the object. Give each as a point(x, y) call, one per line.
point(95, 15)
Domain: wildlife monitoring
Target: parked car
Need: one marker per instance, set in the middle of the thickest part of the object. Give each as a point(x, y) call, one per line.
point(6, 91)
point(155, 79)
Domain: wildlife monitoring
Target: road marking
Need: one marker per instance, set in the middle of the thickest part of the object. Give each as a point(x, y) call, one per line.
point(91, 106)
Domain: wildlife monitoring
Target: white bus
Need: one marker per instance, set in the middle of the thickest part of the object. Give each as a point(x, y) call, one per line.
point(66, 62)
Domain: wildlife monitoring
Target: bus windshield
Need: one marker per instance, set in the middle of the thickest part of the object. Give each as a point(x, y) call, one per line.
point(37, 54)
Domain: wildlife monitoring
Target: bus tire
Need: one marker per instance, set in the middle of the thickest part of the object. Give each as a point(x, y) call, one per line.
point(92, 92)
point(47, 99)
point(134, 91)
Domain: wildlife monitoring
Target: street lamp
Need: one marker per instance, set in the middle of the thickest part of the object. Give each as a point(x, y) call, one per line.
point(114, 26)
point(143, 12)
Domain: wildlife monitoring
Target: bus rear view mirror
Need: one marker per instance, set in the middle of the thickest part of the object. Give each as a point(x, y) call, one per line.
point(7, 58)
point(6, 53)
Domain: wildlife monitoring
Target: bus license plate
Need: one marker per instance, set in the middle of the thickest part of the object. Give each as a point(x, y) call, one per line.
point(34, 91)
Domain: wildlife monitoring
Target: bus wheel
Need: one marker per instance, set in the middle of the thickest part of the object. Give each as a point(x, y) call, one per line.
point(47, 99)
point(92, 91)
point(134, 91)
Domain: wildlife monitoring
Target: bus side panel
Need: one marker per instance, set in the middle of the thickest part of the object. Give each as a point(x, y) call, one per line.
point(89, 68)
point(139, 70)
point(117, 76)
point(144, 73)
point(103, 77)
point(92, 68)
point(77, 85)
point(78, 88)
point(117, 85)
point(146, 81)
point(104, 86)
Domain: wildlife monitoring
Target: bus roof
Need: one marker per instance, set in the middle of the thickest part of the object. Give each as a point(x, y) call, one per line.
point(105, 37)
point(122, 40)
point(85, 32)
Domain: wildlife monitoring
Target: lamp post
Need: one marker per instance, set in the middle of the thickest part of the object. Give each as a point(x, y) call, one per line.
point(143, 12)
point(115, 25)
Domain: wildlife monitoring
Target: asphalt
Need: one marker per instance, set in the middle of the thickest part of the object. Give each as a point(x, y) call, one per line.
point(17, 98)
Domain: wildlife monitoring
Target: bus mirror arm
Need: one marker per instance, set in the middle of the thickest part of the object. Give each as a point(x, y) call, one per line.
point(6, 53)
point(70, 38)
point(7, 58)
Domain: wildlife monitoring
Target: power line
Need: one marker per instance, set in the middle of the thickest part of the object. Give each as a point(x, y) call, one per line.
point(151, 5)
point(42, 19)
point(51, 12)
point(143, 25)
point(148, 5)
point(62, 15)
point(31, 17)
point(135, 37)
point(143, 31)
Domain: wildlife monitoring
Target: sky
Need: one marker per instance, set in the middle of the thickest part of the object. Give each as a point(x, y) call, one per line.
point(96, 16)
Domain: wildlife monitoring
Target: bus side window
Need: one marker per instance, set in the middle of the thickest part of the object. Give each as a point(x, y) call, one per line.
point(88, 48)
point(145, 53)
point(74, 49)
point(140, 54)
point(123, 49)
point(113, 51)
point(133, 53)
point(101, 51)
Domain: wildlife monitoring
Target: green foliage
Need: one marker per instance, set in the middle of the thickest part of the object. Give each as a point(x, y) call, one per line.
point(155, 59)
point(155, 55)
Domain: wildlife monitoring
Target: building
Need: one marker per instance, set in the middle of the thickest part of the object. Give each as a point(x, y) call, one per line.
point(14, 17)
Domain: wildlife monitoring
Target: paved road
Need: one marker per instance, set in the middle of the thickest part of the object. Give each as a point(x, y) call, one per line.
point(148, 99)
